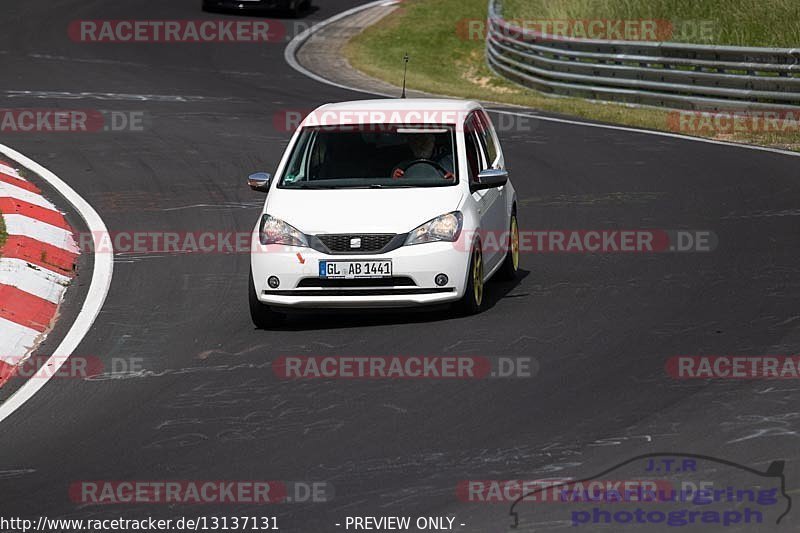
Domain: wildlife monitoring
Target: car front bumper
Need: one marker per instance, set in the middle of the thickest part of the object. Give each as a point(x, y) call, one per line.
point(417, 266)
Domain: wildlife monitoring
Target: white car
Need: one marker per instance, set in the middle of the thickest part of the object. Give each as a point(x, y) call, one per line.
point(384, 203)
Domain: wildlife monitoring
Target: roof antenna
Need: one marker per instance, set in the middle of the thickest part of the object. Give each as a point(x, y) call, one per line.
point(405, 71)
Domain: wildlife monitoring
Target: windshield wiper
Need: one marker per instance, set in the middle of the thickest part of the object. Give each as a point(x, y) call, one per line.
point(307, 185)
point(370, 186)
point(378, 186)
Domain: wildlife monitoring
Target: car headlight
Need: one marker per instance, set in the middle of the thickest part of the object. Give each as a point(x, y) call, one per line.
point(442, 228)
point(276, 231)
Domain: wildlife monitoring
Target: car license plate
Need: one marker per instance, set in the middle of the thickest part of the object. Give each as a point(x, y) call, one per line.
point(355, 269)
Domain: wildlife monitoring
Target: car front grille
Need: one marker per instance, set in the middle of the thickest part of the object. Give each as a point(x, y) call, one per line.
point(399, 281)
point(369, 242)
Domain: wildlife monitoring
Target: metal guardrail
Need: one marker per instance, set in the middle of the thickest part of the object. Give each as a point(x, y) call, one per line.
point(647, 73)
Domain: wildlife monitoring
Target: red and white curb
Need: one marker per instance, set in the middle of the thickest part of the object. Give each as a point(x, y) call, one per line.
point(56, 260)
point(37, 264)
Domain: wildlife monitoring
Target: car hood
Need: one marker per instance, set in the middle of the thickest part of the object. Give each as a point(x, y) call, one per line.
point(361, 210)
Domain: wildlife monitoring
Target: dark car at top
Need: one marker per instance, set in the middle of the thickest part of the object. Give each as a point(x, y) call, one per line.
point(294, 8)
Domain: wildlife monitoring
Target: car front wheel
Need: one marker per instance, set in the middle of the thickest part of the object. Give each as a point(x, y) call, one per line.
point(508, 270)
point(472, 301)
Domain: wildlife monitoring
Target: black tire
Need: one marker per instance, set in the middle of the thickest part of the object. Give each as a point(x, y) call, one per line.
point(510, 267)
point(295, 8)
point(472, 301)
point(262, 315)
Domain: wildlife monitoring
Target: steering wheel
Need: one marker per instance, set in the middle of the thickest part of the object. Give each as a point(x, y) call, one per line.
point(445, 173)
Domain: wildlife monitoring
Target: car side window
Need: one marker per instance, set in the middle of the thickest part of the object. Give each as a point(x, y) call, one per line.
point(298, 169)
point(488, 138)
point(474, 156)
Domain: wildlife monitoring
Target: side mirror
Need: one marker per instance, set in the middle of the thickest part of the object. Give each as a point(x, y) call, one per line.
point(259, 181)
point(490, 178)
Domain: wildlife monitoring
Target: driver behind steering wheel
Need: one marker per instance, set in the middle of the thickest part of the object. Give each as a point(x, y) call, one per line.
point(423, 147)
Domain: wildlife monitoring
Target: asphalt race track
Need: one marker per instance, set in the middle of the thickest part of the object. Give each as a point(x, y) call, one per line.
point(600, 326)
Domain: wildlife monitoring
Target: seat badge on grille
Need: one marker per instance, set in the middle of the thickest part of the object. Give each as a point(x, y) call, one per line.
point(355, 242)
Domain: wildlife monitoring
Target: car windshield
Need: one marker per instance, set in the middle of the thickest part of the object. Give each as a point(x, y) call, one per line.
point(372, 156)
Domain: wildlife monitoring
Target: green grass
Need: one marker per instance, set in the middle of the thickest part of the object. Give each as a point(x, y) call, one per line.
point(444, 62)
point(727, 22)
